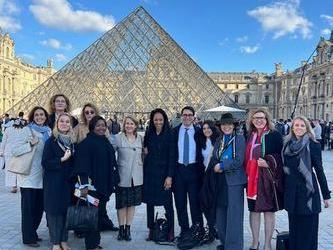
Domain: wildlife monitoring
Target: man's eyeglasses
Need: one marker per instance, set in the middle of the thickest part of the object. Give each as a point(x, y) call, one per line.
point(187, 115)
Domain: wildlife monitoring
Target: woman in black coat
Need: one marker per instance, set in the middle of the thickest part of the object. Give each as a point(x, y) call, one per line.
point(95, 160)
point(57, 162)
point(206, 140)
point(301, 155)
point(158, 170)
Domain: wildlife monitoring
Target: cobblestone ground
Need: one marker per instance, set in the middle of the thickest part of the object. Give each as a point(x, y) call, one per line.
point(10, 228)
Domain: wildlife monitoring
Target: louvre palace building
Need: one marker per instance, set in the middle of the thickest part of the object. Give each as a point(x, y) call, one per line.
point(278, 91)
point(136, 66)
point(17, 78)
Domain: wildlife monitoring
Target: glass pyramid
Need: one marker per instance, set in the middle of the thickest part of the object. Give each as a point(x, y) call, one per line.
point(133, 68)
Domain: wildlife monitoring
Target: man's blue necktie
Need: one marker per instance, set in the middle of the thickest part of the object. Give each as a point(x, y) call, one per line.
point(186, 150)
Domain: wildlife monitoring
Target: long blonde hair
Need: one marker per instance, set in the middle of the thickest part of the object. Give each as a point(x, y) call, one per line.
point(56, 131)
point(249, 124)
point(309, 130)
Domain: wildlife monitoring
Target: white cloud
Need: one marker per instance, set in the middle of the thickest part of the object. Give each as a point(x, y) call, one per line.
point(241, 39)
point(60, 57)
point(282, 18)
point(7, 20)
point(328, 18)
point(55, 44)
point(249, 49)
point(325, 32)
point(61, 15)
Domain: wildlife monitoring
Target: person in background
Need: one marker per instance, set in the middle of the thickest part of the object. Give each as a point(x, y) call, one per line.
point(58, 163)
point(302, 155)
point(31, 185)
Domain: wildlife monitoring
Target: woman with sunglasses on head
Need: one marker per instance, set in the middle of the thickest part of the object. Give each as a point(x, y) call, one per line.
point(302, 155)
point(263, 164)
point(206, 140)
point(57, 162)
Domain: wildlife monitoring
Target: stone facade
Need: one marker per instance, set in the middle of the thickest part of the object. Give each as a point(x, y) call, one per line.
point(249, 89)
point(316, 94)
point(17, 78)
point(278, 91)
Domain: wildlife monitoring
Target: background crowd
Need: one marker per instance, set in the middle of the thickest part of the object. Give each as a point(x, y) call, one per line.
point(204, 164)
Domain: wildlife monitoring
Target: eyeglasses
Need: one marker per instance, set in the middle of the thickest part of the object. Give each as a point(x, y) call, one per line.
point(87, 112)
point(259, 118)
point(187, 115)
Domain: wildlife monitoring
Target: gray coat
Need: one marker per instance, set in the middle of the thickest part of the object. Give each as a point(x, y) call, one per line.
point(129, 159)
point(233, 168)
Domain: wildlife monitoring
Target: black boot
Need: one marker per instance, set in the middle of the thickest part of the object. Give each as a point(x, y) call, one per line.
point(128, 233)
point(121, 233)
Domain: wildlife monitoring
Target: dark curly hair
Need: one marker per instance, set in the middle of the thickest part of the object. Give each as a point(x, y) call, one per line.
point(166, 125)
point(202, 138)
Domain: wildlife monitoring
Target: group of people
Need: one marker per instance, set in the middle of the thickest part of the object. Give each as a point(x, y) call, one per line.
point(207, 166)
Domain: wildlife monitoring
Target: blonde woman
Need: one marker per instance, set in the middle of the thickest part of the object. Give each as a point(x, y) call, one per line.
point(128, 145)
point(57, 162)
point(302, 155)
point(264, 174)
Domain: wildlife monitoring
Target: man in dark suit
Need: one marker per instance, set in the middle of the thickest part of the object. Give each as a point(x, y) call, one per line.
point(186, 181)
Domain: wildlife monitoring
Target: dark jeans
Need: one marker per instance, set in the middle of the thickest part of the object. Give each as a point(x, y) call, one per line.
point(187, 183)
point(57, 228)
point(32, 213)
point(303, 231)
point(169, 214)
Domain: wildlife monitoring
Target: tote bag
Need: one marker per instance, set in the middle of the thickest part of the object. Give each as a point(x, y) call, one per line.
point(21, 164)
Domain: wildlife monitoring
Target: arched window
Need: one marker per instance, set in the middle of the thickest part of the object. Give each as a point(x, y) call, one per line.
point(236, 98)
point(7, 52)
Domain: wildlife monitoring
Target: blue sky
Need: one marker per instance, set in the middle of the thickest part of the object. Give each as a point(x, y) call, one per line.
point(238, 35)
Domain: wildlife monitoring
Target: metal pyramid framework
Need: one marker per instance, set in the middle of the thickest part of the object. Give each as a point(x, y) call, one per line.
point(133, 68)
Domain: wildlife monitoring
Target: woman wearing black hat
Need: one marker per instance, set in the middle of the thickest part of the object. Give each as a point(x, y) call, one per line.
point(227, 164)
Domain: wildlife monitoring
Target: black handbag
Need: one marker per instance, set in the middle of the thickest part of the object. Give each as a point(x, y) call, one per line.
point(282, 240)
point(82, 217)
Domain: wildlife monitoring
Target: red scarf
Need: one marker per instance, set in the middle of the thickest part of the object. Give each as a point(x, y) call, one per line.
point(251, 168)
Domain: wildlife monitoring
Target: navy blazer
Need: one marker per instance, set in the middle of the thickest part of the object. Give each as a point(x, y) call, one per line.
point(295, 193)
